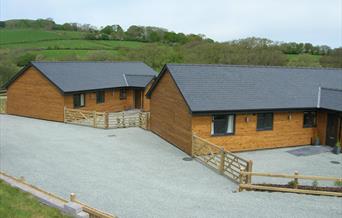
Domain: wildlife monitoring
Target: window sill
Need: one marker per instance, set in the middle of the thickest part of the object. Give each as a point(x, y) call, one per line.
point(222, 134)
point(265, 129)
point(309, 126)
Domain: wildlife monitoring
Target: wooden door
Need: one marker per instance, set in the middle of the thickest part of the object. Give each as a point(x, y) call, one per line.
point(332, 125)
point(137, 99)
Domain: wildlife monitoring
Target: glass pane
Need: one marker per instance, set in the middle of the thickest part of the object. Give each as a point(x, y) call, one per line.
point(220, 124)
point(230, 128)
point(81, 99)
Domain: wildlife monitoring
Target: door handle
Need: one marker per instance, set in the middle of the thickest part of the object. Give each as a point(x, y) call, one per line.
point(331, 137)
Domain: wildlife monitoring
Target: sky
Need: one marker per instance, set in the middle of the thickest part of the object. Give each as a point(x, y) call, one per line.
point(316, 21)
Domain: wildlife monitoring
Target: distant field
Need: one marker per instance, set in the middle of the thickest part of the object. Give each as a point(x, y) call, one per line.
point(57, 45)
point(31, 35)
point(73, 44)
point(60, 54)
point(304, 60)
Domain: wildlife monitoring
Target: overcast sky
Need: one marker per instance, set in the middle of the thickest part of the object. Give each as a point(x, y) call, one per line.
point(315, 21)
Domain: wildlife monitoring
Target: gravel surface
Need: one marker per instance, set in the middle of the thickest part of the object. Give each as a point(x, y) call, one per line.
point(133, 173)
point(280, 161)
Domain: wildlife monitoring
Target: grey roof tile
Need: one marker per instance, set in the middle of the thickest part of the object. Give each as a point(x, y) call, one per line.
point(331, 99)
point(231, 87)
point(80, 76)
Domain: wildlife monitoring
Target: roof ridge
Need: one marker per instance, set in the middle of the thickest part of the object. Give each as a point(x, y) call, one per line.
point(253, 66)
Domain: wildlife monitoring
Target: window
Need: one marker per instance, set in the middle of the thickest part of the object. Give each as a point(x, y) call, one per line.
point(100, 97)
point(223, 125)
point(123, 94)
point(265, 121)
point(310, 119)
point(78, 100)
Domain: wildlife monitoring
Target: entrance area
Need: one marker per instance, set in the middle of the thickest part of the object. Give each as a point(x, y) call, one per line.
point(333, 129)
point(138, 99)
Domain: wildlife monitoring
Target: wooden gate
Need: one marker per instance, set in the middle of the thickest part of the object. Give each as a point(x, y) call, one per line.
point(225, 162)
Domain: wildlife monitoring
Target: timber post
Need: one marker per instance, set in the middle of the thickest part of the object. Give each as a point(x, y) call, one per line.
point(249, 169)
point(94, 119)
point(240, 180)
point(295, 185)
point(72, 197)
point(65, 111)
point(222, 157)
point(106, 120)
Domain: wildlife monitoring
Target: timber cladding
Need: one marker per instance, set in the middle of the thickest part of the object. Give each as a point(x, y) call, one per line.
point(286, 132)
point(112, 102)
point(32, 95)
point(170, 116)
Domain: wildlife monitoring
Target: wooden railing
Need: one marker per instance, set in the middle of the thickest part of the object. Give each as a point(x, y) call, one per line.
point(3, 104)
point(246, 184)
point(107, 120)
point(225, 162)
point(93, 212)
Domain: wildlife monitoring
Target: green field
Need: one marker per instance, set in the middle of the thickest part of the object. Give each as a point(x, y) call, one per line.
point(32, 35)
point(17, 204)
point(303, 60)
point(59, 45)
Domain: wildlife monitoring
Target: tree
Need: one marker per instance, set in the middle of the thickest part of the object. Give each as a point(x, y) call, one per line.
point(135, 33)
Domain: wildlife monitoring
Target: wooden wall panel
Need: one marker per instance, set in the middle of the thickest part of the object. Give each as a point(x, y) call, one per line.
point(32, 95)
point(170, 117)
point(285, 132)
point(112, 103)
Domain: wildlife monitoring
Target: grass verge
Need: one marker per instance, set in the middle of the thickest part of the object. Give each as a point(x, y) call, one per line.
point(17, 204)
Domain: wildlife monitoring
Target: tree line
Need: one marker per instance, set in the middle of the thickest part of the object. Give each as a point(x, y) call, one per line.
point(155, 34)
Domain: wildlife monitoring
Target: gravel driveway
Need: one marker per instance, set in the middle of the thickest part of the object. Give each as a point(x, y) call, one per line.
point(133, 173)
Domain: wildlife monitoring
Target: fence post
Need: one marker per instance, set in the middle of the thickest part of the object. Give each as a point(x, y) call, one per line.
point(72, 197)
point(222, 155)
point(106, 119)
point(240, 180)
point(249, 169)
point(295, 185)
point(94, 119)
point(64, 114)
point(123, 120)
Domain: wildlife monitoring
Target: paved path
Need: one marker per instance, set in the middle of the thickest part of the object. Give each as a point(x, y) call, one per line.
point(133, 173)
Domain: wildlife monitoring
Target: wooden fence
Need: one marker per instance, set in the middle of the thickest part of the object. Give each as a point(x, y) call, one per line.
point(3, 104)
point(247, 183)
point(93, 212)
point(107, 120)
point(225, 162)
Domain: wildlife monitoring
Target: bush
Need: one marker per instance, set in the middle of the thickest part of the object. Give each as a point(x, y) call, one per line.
point(25, 59)
point(315, 183)
point(293, 183)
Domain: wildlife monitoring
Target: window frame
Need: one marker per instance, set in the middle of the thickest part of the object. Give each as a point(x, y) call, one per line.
point(227, 125)
point(264, 128)
point(313, 124)
point(123, 93)
point(100, 97)
point(79, 105)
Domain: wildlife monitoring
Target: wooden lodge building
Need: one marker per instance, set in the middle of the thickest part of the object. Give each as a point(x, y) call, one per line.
point(42, 89)
point(246, 107)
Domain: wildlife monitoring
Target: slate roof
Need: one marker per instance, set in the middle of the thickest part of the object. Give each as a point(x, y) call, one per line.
point(215, 88)
point(82, 76)
point(331, 99)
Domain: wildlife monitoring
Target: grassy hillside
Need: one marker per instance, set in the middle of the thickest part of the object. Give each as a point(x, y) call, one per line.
point(19, 46)
point(32, 35)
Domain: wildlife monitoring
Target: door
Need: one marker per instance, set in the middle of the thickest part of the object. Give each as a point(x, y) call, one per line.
point(332, 125)
point(137, 99)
